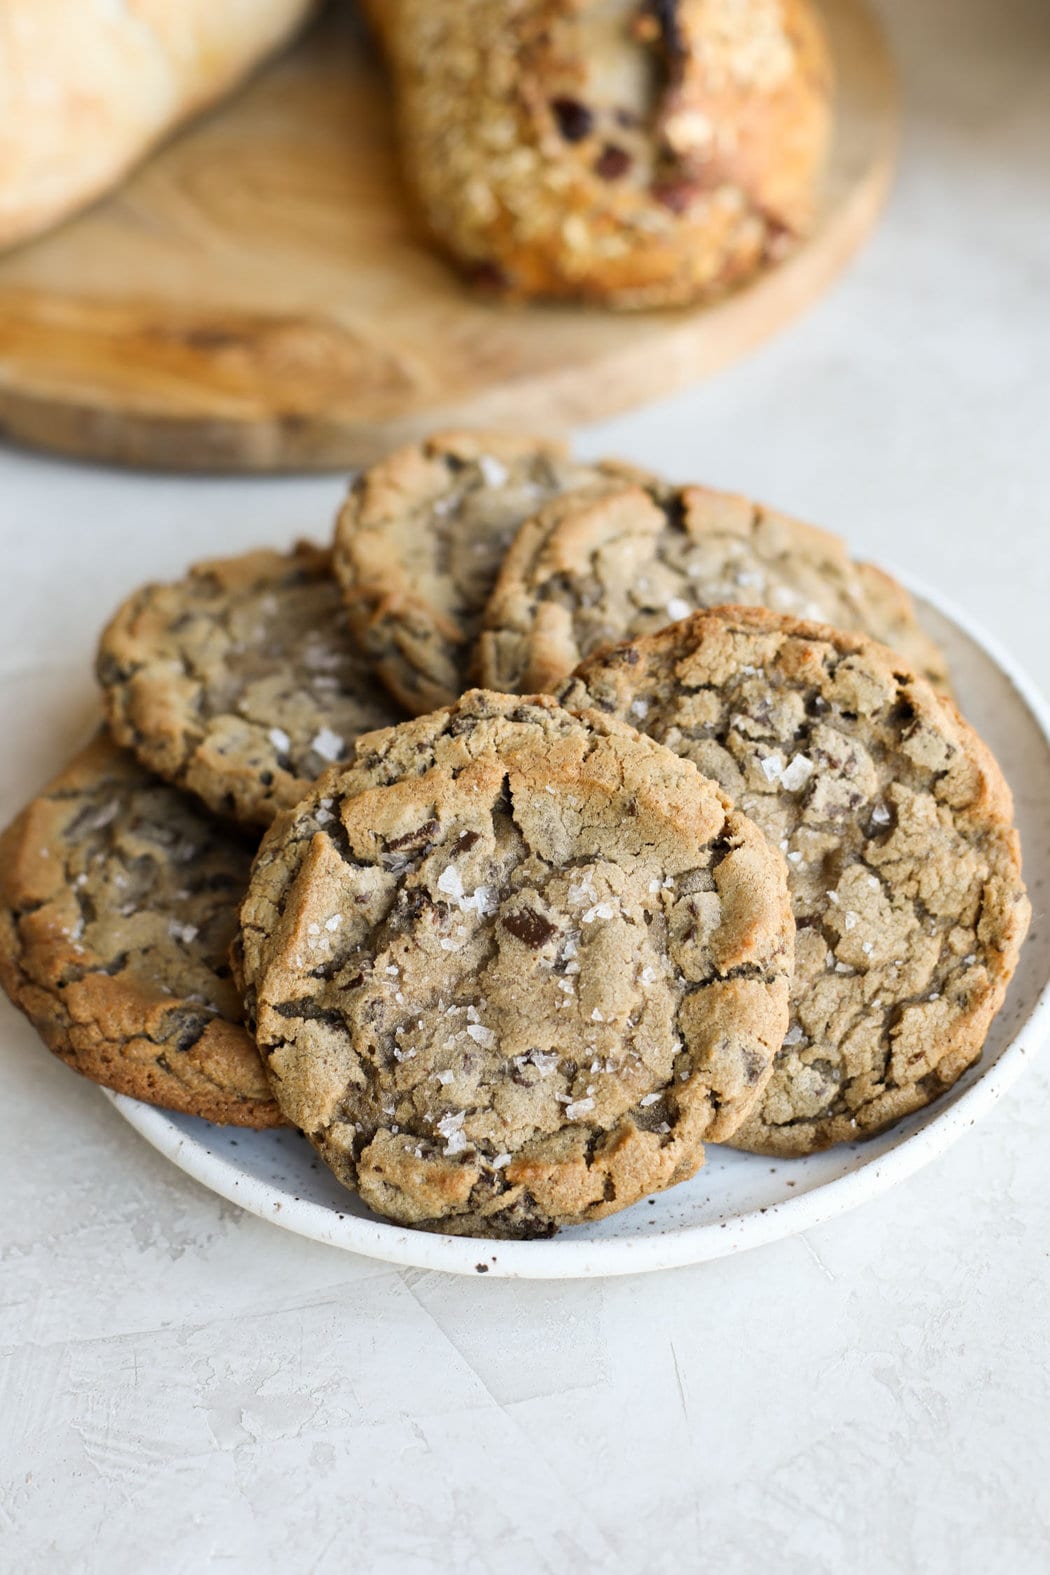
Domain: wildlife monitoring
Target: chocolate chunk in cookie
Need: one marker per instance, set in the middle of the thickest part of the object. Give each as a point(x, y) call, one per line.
point(514, 966)
point(897, 827)
point(118, 902)
point(240, 682)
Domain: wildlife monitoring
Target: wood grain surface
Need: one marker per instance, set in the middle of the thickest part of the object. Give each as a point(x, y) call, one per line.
point(258, 296)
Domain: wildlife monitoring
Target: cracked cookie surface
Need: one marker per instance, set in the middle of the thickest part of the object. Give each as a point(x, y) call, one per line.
point(419, 543)
point(240, 682)
point(897, 826)
point(514, 966)
point(118, 903)
point(586, 573)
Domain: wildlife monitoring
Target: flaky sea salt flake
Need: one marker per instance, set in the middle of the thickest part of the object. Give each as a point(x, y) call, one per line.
point(493, 471)
point(449, 1126)
point(327, 744)
point(482, 900)
point(450, 881)
point(796, 773)
point(544, 1061)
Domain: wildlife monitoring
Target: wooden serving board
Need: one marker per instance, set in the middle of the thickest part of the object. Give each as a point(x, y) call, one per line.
point(258, 297)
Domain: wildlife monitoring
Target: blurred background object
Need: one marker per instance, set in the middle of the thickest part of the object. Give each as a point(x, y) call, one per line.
point(260, 295)
point(87, 87)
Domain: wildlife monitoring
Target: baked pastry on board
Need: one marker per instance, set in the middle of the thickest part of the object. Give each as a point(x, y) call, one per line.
point(634, 153)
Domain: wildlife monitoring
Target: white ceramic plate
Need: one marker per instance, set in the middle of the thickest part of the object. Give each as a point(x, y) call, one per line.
point(737, 1200)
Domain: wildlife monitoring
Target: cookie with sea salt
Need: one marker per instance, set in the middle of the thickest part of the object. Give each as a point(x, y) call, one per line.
point(514, 966)
point(240, 682)
point(118, 902)
point(897, 826)
point(585, 573)
point(419, 543)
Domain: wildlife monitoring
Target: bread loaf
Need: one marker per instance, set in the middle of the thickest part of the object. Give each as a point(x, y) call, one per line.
point(88, 86)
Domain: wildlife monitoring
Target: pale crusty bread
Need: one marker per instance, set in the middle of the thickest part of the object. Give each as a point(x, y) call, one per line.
point(88, 86)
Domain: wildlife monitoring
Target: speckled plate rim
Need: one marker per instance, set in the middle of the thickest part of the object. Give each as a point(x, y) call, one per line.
point(570, 1256)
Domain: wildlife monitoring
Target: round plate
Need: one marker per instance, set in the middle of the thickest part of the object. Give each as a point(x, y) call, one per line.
point(259, 295)
point(737, 1200)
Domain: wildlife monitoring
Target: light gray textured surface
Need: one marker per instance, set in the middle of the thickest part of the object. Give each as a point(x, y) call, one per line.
point(184, 1388)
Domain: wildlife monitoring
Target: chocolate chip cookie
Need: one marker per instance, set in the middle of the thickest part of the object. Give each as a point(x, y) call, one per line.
point(118, 901)
point(420, 541)
point(240, 682)
point(897, 826)
point(585, 573)
point(513, 966)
